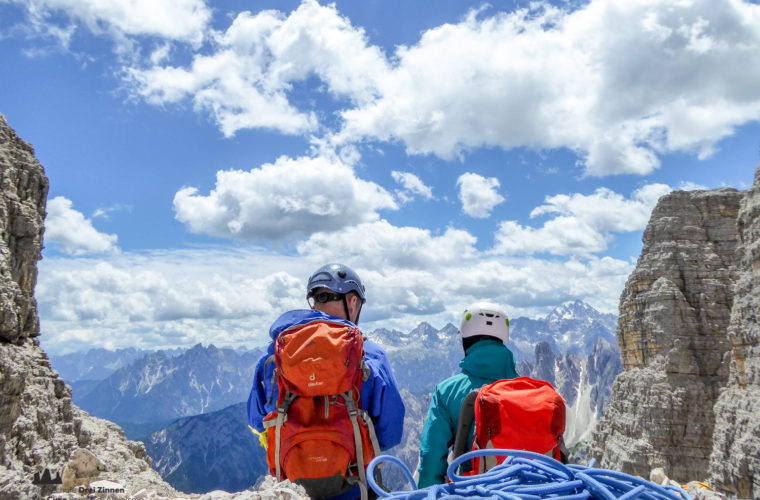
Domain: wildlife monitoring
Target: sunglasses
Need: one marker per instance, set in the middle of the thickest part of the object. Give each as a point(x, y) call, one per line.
point(323, 297)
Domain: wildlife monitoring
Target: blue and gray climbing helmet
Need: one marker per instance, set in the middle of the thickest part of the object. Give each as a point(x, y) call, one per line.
point(337, 278)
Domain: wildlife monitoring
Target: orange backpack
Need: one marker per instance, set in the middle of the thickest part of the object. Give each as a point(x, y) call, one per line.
point(319, 436)
point(516, 414)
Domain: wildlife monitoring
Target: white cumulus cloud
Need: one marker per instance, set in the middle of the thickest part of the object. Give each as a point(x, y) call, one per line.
point(245, 81)
point(180, 20)
point(617, 81)
point(229, 296)
point(72, 232)
point(411, 186)
point(582, 224)
point(478, 194)
point(167, 298)
point(388, 246)
point(413, 275)
point(282, 200)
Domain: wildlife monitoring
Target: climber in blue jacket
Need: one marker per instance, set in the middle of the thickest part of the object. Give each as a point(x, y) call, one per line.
point(485, 331)
point(335, 293)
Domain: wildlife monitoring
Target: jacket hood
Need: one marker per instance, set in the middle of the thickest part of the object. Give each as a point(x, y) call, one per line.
point(488, 359)
point(302, 316)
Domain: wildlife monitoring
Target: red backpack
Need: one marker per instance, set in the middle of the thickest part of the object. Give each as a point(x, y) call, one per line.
point(516, 414)
point(319, 436)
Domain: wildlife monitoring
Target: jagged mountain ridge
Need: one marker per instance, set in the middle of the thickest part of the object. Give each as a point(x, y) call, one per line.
point(421, 358)
point(99, 363)
point(573, 327)
point(159, 387)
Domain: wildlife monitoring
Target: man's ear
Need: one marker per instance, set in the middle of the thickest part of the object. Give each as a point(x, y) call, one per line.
point(352, 298)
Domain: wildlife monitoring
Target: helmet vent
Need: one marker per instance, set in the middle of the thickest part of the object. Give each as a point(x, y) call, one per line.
point(489, 323)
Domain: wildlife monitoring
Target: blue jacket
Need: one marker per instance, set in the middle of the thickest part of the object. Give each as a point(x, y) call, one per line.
point(380, 394)
point(485, 362)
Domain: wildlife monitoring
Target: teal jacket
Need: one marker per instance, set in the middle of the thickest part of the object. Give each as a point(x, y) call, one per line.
point(485, 362)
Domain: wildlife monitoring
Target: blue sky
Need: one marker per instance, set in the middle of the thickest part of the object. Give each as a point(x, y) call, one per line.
point(204, 157)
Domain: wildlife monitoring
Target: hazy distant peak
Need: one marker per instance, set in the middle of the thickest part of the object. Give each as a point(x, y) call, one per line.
point(574, 310)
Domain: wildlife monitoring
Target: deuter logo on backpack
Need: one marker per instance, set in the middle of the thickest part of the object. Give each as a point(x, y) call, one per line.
point(319, 435)
point(313, 381)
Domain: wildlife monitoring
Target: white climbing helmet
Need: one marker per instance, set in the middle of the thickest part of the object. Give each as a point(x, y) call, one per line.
point(485, 318)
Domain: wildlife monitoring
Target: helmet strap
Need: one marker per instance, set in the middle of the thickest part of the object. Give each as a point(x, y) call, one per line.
point(348, 316)
point(359, 311)
point(345, 306)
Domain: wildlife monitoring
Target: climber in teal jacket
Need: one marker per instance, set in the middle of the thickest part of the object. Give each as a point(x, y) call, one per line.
point(484, 330)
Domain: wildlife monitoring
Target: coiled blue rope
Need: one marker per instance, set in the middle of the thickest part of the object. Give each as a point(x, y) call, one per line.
point(528, 476)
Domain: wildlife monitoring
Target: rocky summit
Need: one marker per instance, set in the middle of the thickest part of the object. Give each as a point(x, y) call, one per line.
point(687, 332)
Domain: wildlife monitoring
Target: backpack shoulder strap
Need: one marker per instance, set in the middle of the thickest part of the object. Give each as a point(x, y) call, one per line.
point(282, 411)
point(466, 417)
point(352, 414)
point(269, 360)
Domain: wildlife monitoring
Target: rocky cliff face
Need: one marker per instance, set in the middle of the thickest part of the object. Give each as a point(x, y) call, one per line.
point(674, 314)
point(735, 459)
point(39, 427)
point(23, 193)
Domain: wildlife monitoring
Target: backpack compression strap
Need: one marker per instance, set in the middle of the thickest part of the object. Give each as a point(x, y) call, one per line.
point(270, 359)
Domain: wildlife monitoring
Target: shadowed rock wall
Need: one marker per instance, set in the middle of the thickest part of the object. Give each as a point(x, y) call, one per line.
point(735, 459)
point(23, 192)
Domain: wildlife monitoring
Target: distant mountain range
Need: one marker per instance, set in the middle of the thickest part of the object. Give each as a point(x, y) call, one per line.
point(95, 364)
point(159, 388)
point(206, 452)
point(572, 328)
point(196, 397)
